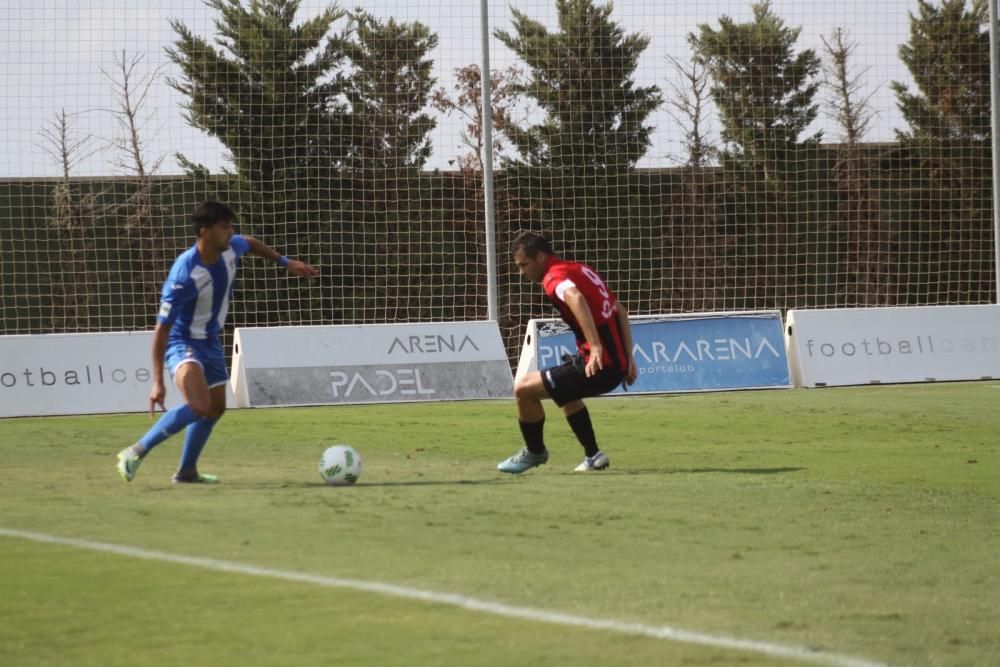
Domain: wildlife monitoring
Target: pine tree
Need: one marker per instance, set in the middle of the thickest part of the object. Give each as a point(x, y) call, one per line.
point(388, 90)
point(581, 77)
point(272, 91)
point(949, 58)
point(387, 86)
point(948, 150)
point(764, 91)
point(574, 172)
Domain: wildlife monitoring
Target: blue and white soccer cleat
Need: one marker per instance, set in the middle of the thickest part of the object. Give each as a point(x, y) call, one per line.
point(523, 460)
point(598, 461)
point(128, 464)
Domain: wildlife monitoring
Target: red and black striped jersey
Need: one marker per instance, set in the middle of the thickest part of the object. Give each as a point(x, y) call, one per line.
point(560, 275)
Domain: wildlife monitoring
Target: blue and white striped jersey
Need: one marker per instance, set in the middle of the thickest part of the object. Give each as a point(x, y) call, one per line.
point(195, 297)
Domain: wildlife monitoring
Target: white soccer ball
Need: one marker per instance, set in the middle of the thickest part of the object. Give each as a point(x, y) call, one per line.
point(340, 465)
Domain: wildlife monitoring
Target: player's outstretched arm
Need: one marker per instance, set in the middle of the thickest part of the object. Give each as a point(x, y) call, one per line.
point(294, 266)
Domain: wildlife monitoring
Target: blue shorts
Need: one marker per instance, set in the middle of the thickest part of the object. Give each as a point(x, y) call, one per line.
point(206, 353)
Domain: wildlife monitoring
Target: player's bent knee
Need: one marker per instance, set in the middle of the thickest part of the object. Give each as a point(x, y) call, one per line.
point(218, 395)
point(529, 388)
point(522, 389)
point(519, 389)
point(201, 408)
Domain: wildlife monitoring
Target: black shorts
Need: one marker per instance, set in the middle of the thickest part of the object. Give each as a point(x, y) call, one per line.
point(569, 382)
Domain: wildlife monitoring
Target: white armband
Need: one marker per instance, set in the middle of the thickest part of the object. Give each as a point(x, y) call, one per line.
point(562, 287)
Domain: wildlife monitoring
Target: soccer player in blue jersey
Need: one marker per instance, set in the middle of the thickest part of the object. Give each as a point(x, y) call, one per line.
point(186, 341)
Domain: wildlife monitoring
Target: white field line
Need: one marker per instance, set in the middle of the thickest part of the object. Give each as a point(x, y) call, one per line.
point(665, 632)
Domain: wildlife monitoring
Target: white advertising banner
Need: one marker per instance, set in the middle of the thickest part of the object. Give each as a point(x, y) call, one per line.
point(74, 374)
point(852, 346)
point(378, 363)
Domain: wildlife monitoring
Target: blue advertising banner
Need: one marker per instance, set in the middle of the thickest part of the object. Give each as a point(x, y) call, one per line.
point(691, 353)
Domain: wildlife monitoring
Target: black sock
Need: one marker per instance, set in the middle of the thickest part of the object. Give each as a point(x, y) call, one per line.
point(580, 423)
point(532, 432)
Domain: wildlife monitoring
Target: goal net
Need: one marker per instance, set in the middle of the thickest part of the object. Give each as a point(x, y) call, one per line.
point(708, 156)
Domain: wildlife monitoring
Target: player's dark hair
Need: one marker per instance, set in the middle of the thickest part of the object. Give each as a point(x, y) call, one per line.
point(532, 244)
point(210, 213)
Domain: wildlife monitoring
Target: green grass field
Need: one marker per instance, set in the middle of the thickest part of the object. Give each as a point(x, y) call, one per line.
point(858, 522)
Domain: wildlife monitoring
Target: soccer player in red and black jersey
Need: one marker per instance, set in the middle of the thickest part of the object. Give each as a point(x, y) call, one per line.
point(605, 360)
